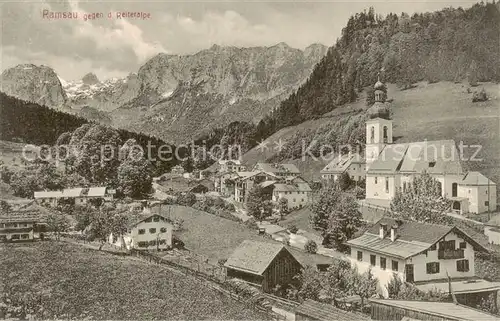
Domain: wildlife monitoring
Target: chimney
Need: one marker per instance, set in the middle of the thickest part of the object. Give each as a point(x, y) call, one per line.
point(383, 228)
point(394, 231)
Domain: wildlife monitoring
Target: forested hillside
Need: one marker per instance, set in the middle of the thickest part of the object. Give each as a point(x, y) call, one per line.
point(31, 123)
point(451, 44)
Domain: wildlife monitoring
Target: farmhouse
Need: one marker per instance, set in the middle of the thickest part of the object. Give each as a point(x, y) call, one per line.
point(424, 310)
point(245, 181)
point(295, 190)
point(77, 196)
point(392, 167)
point(263, 264)
point(145, 231)
point(230, 165)
point(416, 252)
point(21, 225)
point(352, 164)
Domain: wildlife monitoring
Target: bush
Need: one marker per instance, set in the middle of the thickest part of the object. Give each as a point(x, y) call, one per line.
point(293, 229)
point(359, 192)
point(311, 247)
point(187, 199)
point(479, 96)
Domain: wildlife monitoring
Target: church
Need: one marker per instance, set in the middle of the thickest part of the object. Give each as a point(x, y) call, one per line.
point(392, 166)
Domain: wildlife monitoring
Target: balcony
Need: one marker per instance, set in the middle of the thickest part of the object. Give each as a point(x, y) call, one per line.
point(451, 254)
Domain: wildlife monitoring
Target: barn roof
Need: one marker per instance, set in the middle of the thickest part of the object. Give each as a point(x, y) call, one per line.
point(327, 312)
point(48, 194)
point(445, 310)
point(97, 191)
point(254, 257)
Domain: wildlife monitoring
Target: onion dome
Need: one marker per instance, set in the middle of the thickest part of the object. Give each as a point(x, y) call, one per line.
point(379, 85)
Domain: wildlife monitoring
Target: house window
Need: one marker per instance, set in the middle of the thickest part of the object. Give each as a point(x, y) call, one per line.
point(383, 263)
point(404, 187)
point(372, 134)
point(376, 180)
point(148, 220)
point(156, 219)
point(463, 245)
point(385, 134)
point(486, 192)
point(163, 229)
point(152, 230)
point(142, 244)
point(394, 265)
point(433, 247)
point(463, 265)
point(360, 256)
point(387, 184)
point(486, 203)
point(373, 259)
point(24, 236)
point(142, 231)
point(433, 268)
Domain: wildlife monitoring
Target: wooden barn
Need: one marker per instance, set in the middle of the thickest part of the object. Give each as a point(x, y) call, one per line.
point(311, 310)
point(263, 264)
point(385, 310)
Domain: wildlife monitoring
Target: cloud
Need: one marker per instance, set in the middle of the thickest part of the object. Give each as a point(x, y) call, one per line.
point(122, 34)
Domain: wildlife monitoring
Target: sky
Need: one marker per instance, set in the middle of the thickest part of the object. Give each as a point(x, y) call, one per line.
point(117, 46)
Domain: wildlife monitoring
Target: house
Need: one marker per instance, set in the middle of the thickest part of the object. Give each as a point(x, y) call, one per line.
point(492, 230)
point(230, 165)
point(392, 167)
point(311, 310)
point(279, 170)
point(245, 181)
point(263, 264)
point(21, 225)
point(353, 164)
point(78, 196)
point(425, 310)
point(48, 197)
point(145, 231)
point(177, 169)
point(416, 252)
point(295, 190)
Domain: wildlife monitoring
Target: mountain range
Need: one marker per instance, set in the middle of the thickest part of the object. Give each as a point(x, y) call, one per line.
point(175, 97)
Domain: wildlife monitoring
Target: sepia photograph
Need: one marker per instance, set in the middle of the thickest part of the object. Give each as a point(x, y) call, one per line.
point(281, 160)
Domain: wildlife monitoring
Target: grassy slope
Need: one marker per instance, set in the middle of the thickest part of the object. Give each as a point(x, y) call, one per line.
point(86, 283)
point(430, 111)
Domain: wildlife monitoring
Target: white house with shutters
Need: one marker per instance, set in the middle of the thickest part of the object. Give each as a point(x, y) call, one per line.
point(417, 252)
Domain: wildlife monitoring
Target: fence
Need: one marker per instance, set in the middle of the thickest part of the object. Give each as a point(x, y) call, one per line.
point(214, 274)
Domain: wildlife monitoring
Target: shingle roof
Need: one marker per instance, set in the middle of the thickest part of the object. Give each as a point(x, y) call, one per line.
point(412, 238)
point(73, 192)
point(385, 246)
point(253, 256)
point(448, 310)
point(97, 191)
point(411, 231)
point(327, 312)
point(475, 179)
point(435, 157)
point(342, 162)
point(277, 168)
point(300, 187)
point(48, 194)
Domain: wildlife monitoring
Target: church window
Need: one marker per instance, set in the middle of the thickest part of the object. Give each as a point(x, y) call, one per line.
point(385, 134)
point(375, 180)
point(387, 184)
point(404, 187)
point(372, 134)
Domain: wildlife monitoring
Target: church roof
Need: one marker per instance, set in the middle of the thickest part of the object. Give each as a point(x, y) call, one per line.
point(379, 85)
point(434, 157)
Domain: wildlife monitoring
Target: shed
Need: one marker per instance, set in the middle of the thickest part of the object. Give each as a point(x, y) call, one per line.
point(263, 264)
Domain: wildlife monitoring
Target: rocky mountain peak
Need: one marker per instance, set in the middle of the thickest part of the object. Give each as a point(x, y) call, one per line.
point(90, 79)
point(34, 83)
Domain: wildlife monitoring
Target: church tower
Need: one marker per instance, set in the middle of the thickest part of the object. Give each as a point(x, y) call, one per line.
point(379, 126)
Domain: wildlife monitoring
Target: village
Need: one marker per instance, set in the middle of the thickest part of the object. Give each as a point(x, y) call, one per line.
point(259, 227)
